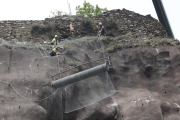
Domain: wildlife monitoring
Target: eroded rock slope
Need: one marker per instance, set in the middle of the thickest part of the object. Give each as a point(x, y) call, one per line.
point(146, 80)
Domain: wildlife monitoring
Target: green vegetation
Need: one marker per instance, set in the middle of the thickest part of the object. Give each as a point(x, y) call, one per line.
point(73, 63)
point(111, 26)
point(142, 43)
point(89, 10)
point(86, 23)
point(9, 46)
point(155, 41)
point(57, 13)
point(161, 40)
point(117, 46)
point(49, 30)
point(111, 49)
point(37, 29)
point(121, 42)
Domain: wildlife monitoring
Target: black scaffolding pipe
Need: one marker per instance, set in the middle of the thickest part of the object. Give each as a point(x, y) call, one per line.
point(161, 13)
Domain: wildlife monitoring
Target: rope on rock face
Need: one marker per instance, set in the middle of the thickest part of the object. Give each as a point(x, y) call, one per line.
point(40, 51)
point(43, 49)
point(102, 46)
point(59, 65)
point(31, 63)
point(31, 99)
point(10, 84)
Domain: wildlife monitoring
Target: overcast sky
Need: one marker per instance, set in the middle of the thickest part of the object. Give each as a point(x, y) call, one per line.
point(40, 9)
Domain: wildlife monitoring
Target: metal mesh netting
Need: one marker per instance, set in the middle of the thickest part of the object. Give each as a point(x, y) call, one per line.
point(26, 92)
point(4, 80)
point(91, 90)
point(30, 73)
point(88, 92)
point(31, 82)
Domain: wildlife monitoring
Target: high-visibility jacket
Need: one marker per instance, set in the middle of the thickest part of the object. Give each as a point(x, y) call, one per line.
point(54, 40)
point(55, 50)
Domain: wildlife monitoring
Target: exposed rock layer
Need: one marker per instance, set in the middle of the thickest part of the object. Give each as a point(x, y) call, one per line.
point(115, 21)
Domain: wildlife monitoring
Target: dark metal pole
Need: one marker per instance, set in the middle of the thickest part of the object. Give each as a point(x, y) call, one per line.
point(79, 76)
point(161, 13)
point(50, 78)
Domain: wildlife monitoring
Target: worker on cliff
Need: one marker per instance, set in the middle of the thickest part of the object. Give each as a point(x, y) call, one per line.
point(55, 40)
point(72, 30)
point(54, 52)
point(102, 30)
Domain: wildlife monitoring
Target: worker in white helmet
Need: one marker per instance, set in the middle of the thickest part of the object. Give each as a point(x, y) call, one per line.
point(55, 40)
point(102, 30)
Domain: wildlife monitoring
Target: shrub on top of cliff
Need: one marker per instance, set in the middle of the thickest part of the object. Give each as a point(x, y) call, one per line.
point(86, 23)
point(49, 28)
point(51, 34)
point(42, 30)
point(45, 29)
point(110, 24)
point(111, 27)
point(35, 29)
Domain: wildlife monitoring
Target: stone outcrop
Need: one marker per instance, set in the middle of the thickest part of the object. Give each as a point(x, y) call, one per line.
point(123, 20)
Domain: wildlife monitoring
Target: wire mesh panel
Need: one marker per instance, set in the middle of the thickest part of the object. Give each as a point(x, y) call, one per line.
point(30, 81)
point(88, 92)
point(5, 97)
point(91, 90)
point(26, 92)
point(4, 65)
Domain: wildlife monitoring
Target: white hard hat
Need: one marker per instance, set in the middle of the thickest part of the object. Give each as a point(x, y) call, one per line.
point(100, 23)
point(55, 36)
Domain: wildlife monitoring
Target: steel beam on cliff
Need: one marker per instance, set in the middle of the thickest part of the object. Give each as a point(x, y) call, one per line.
point(161, 13)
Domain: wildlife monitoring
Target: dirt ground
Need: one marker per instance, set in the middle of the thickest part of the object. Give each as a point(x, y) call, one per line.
point(142, 83)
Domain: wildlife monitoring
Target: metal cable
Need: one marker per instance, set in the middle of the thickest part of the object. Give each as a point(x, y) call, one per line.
point(77, 66)
point(31, 89)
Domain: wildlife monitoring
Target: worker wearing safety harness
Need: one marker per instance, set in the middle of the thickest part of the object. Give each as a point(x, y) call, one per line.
point(54, 52)
point(55, 40)
point(102, 30)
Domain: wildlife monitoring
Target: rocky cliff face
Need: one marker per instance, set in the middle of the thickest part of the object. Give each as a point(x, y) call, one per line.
point(142, 81)
point(116, 22)
point(145, 79)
